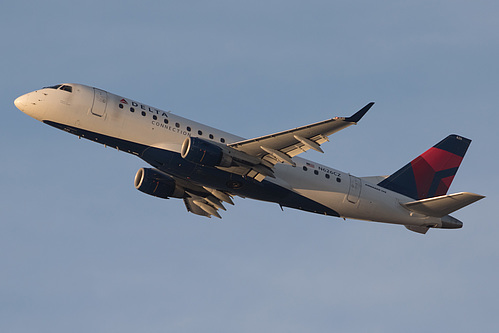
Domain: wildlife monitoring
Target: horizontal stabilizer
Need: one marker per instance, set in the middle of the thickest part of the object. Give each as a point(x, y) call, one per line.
point(442, 205)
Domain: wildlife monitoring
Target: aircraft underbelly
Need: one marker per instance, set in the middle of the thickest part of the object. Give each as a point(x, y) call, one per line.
point(173, 164)
point(232, 183)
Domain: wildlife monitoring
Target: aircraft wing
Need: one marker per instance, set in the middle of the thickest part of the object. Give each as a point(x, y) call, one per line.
point(281, 147)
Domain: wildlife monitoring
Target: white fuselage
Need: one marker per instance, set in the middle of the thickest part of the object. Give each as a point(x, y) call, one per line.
point(87, 110)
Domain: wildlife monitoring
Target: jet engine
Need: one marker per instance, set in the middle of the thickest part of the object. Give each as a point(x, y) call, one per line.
point(158, 184)
point(207, 153)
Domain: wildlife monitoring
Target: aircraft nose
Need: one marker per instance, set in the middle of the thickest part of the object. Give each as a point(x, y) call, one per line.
point(21, 102)
point(29, 104)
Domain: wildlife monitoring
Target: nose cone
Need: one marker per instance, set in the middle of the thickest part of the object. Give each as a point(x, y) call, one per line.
point(21, 102)
point(30, 104)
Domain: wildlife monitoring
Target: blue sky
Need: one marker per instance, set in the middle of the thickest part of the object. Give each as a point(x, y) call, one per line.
point(81, 250)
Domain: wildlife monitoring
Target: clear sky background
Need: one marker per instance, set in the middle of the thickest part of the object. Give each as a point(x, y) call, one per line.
point(82, 251)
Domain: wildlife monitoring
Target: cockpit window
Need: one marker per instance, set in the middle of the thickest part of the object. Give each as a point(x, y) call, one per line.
point(61, 87)
point(54, 87)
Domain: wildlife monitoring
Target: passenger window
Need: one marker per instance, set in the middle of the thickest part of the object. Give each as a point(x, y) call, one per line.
point(200, 132)
point(211, 136)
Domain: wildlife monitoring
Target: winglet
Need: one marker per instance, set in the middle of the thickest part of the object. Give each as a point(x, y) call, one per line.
point(359, 114)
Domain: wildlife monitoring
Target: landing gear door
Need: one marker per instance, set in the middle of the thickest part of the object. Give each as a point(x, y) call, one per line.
point(100, 103)
point(354, 191)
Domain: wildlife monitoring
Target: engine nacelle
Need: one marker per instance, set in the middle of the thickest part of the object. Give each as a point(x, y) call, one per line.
point(155, 183)
point(204, 152)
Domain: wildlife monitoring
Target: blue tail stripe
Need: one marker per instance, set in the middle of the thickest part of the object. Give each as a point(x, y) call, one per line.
point(403, 182)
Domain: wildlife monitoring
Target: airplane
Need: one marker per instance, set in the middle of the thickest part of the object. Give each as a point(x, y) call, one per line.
point(207, 167)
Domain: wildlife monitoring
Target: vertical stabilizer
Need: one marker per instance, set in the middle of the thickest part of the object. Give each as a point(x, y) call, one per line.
point(430, 174)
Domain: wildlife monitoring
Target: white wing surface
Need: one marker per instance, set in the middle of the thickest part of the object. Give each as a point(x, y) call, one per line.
point(282, 146)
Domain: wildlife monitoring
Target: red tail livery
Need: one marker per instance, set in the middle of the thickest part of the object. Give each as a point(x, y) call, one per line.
point(430, 174)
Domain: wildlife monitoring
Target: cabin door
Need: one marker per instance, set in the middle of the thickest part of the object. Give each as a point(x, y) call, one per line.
point(100, 102)
point(354, 191)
